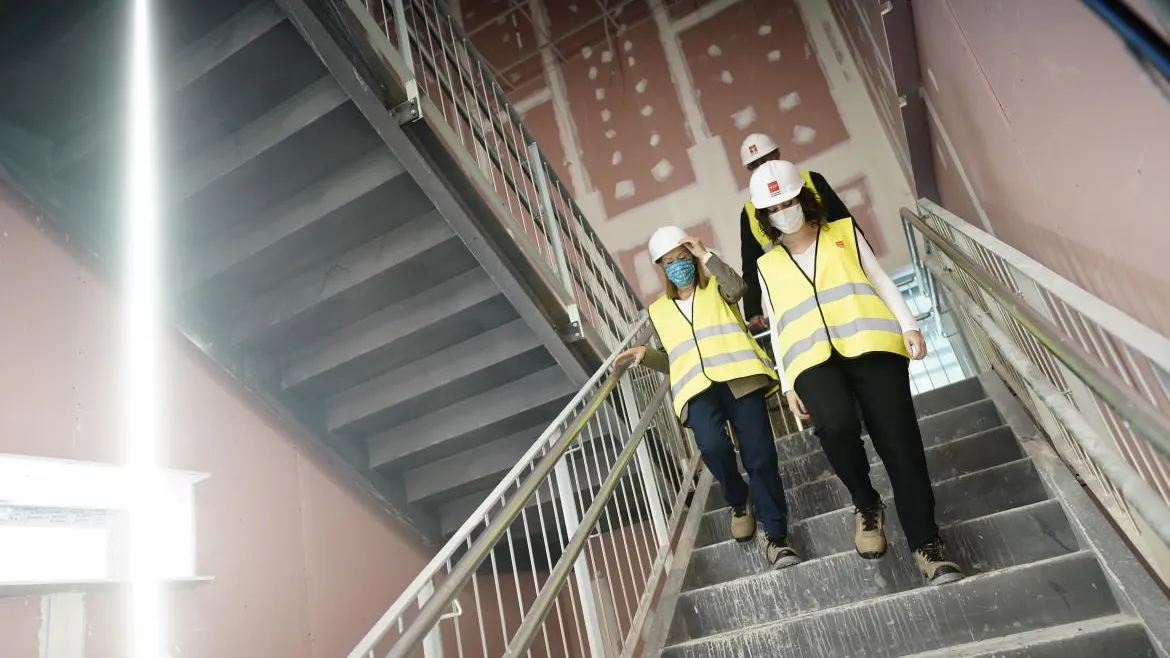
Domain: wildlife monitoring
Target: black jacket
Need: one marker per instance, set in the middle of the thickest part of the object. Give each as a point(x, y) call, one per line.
point(751, 250)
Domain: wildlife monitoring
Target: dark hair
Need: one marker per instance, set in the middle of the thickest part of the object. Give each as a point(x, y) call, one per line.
point(813, 212)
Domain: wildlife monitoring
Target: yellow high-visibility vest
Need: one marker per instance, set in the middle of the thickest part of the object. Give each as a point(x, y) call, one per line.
point(713, 347)
point(758, 232)
point(838, 310)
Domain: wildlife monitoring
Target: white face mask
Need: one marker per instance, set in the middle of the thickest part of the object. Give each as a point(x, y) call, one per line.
point(788, 220)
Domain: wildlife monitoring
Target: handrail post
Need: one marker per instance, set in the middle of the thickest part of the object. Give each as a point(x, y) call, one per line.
point(590, 612)
point(925, 277)
point(553, 229)
point(433, 643)
point(645, 465)
point(410, 110)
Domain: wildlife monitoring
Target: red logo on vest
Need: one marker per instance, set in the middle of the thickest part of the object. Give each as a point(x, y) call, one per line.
point(774, 187)
point(841, 243)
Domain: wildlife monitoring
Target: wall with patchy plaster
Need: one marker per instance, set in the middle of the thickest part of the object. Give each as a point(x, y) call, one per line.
point(302, 566)
point(643, 111)
point(1046, 132)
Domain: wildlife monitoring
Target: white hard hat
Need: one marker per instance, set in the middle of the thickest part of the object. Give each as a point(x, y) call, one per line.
point(774, 183)
point(756, 146)
point(663, 240)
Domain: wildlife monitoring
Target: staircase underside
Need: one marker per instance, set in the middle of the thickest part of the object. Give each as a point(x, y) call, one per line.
point(1048, 575)
point(318, 251)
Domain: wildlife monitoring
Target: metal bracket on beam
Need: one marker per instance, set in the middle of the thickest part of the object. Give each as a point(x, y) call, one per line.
point(409, 109)
point(572, 333)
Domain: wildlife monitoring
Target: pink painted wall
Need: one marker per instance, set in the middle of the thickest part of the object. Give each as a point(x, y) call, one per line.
point(1066, 146)
point(302, 566)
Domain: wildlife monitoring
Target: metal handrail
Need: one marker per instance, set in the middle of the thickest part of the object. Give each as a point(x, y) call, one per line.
point(620, 460)
point(1136, 411)
point(529, 628)
point(1136, 491)
point(435, 566)
point(479, 551)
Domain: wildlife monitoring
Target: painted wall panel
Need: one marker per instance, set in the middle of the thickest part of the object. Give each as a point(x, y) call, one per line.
point(629, 120)
point(503, 33)
point(755, 71)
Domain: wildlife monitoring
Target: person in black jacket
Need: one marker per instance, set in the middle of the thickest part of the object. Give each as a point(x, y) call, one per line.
point(755, 151)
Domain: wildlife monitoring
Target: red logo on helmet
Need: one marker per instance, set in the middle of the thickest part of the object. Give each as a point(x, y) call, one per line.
point(841, 243)
point(774, 187)
point(752, 149)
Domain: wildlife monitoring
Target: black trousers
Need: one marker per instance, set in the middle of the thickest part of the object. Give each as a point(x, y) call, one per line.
point(877, 385)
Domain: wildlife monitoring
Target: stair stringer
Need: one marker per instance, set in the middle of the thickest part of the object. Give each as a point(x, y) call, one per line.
point(658, 622)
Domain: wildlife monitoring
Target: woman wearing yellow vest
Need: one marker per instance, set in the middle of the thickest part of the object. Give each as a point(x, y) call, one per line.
point(843, 336)
point(718, 374)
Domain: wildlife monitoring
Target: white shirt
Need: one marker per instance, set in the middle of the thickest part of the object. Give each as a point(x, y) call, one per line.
point(883, 285)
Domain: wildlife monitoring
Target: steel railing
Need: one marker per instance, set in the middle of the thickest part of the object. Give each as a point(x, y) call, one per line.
point(565, 556)
point(456, 92)
point(1096, 379)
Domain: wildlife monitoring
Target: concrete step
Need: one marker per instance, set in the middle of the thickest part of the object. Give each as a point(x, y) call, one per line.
point(1115, 635)
point(500, 412)
point(1061, 590)
point(998, 541)
point(968, 496)
point(949, 397)
point(325, 216)
point(936, 428)
point(945, 460)
point(455, 311)
point(373, 276)
point(469, 471)
point(486, 361)
point(729, 559)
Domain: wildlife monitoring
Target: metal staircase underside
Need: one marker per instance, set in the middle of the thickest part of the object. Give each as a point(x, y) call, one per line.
point(341, 273)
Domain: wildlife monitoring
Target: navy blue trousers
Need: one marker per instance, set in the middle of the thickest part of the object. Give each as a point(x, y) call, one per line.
point(707, 414)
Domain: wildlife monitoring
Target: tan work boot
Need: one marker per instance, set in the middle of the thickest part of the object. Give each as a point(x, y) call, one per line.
point(869, 534)
point(933, 563)
point(743, 523)
point(778, 553)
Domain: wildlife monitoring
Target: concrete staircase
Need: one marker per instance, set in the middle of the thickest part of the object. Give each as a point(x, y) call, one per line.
point(1036, 588)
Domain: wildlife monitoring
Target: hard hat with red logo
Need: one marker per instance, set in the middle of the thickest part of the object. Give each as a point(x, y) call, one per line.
point(756, 146)
point(774, 183)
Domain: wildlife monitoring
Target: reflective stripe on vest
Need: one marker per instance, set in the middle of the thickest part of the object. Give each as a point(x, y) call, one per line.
point(843, 313)
point(758, 232)
point(713, 347)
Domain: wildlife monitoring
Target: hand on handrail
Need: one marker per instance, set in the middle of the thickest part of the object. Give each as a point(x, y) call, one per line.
point(630, 357)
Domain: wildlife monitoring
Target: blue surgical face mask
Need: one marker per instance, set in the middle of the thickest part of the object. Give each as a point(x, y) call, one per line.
point(681, 272)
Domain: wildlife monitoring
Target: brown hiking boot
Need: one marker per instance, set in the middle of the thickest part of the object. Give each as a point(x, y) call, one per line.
point(743, 523)
point(869, 535)
point(935, 566)
point(779, 553)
